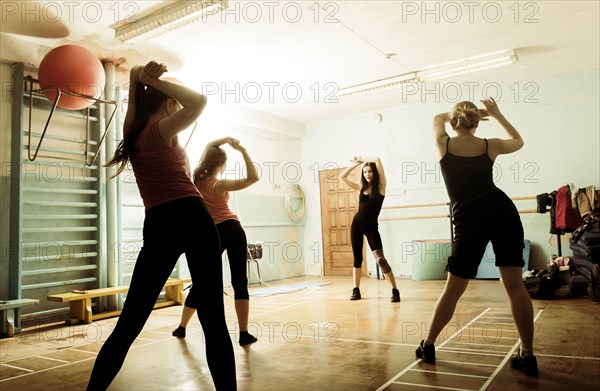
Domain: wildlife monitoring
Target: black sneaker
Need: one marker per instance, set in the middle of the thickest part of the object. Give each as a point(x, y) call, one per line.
point(395, 296)
point(355, 294)
point(426, 353)
point(527, 365)
point(247, 339)
point(179, 332)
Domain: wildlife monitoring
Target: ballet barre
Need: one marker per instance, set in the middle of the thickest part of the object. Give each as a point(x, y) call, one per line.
point(447, 204)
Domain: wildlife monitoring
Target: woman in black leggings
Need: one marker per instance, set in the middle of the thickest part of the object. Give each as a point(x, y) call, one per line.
point(371, 194)
point(176, 221)
point(233, 238)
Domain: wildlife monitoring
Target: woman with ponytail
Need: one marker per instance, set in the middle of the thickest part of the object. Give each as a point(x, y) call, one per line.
point(481, 213)
point(233, 238)
point(176, 222)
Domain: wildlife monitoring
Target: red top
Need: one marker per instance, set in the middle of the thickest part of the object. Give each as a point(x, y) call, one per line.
point(218, 206)
point(162, 173)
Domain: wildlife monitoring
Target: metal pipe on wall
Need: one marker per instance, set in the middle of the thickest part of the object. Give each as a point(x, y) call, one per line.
point(111, 242)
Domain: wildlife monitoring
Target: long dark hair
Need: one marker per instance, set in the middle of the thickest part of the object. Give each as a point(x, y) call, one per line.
point(147, 101)
point(374, 182)
point(215, 157)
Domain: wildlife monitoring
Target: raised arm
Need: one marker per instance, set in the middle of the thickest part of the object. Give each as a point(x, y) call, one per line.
point(224, 185)
point(215, 144)
point(497, 146)
point(192, 102)
point(379, 165)
point(344, 175)
point(439, 132)
point(134, 81)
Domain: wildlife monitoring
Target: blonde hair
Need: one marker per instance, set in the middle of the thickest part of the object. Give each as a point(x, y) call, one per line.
point(464, 116)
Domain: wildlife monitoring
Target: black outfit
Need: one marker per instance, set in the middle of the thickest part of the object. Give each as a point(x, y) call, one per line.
point(171, 229)
point(365, 223)
point(233, 239)
point(481, 213)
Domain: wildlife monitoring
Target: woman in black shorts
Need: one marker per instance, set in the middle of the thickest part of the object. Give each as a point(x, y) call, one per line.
point(481, 213)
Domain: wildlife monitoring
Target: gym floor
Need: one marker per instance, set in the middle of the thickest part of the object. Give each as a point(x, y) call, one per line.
point(311, 337)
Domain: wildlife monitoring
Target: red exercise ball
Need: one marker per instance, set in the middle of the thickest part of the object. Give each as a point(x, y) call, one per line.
point(73, 69)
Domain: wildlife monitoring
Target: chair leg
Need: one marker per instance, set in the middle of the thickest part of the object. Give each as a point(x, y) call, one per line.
point(258, 272)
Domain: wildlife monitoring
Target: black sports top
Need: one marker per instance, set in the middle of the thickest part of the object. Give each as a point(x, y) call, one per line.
point(369, 207)
point(467, 178)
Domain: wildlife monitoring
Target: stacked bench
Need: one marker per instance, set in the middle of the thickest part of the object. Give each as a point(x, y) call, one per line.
point(7, 314)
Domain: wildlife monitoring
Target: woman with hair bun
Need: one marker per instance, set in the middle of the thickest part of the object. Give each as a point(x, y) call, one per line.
point(481, 213)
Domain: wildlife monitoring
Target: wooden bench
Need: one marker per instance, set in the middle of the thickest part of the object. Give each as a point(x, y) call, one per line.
point(7, 314)
point(80, 302)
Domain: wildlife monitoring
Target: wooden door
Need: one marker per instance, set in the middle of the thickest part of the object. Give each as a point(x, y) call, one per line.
point(339, 204)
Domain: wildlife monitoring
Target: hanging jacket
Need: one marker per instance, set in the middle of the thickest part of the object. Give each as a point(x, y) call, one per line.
point(567, 218)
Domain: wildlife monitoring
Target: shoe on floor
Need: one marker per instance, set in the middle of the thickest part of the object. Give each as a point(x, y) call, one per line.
point(527, 365)
point(247, 338)
point(395, 296)
point(179, 332)
point(426, 353)
point(355, 294)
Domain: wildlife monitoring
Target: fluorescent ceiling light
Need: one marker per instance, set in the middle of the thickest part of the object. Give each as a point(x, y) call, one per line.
point(441, 71)
point(377, 85)
point(469, 65)
point(174, 15)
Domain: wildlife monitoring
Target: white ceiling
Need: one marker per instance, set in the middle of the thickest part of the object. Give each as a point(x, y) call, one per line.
point(334, 45)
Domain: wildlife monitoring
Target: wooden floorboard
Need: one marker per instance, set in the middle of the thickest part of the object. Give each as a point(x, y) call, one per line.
point(311, 337)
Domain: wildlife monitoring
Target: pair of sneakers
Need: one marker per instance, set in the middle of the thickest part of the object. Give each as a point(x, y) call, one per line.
point(527, 365)
point(395, 295)
point(245, 337)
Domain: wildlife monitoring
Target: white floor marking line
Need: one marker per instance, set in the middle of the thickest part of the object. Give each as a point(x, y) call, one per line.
point(81, 351)
point(16, 367)
point(54, 359)
point(569, 357)
point(467, 363)
point(133, 346)
point(472, 352)
point(465, 350)
point(409, 367)
point(508, 356)
point(429, 386)
point(482, 344)
point(449, 373)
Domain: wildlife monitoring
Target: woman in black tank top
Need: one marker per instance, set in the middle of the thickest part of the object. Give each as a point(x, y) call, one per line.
point(371, 194)
point(481, 213)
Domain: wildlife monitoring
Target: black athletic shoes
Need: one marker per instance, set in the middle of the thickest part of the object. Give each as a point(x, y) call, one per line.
point(426, 353)
point(179, 332)
point(246, 338)
point(395, 296)
point(527, 365)
point(355, 294)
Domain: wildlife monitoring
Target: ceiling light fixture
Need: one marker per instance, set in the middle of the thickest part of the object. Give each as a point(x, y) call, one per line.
point(176, 14)
point(436, 72)
point(468, 65)
point(377, 85)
